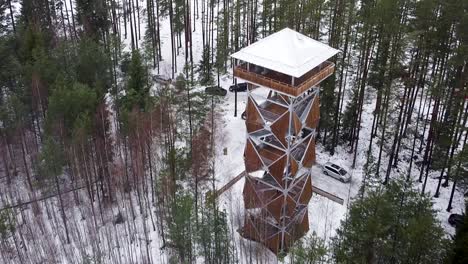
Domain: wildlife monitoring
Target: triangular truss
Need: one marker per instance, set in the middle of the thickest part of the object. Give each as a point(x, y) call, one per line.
point(279, 153)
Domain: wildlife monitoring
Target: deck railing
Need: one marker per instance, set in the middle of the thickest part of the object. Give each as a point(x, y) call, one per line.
point(328, 69)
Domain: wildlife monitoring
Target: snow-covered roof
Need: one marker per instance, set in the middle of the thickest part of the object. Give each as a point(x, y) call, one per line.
point(288, 52)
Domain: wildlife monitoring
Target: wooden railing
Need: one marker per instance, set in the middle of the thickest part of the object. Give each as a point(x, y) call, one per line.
point(283, 87)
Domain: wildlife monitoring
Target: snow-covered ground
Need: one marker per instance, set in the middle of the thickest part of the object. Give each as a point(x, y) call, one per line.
point(324, 215)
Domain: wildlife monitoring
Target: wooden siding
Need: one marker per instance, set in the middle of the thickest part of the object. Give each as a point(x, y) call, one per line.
point(314, 114)
point(251, 200)
point(297, 123)
point(309, 158)
point(252, 160)
point(277, 170)
point(253, 121)
point(279, 128)
point(281, 86)
point(306, 192)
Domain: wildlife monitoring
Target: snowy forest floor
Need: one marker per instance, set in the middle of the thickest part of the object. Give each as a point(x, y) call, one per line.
point(128, 239)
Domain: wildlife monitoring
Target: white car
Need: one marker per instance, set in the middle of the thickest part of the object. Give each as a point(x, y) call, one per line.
point(336, 172)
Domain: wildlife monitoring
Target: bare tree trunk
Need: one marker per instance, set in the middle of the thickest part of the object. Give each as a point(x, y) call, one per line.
point(62, 209)
point(12, 17)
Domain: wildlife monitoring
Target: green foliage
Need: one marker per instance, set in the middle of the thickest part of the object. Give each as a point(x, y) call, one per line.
point(460, 253)
point(390, 224)
point(86, 259)
point(138, 79)
point(204, 68)
point(370, 179)
point(460, 167)
point(327, 105)
point(447, 127)
point(181, 85)
point(180, 229)
point(39, 67)
point(164, 7)
point(136, 96)
point(178, 157)
point(10, 67)
point(6, 224)
point(69, 105)
point(12, 113)
point(215, 244)
point(125, 63)
point(148, 49)
point(175, 170)
point(82, 128)
point(309, 250)
point(92, 66)
point(92, 15)
point(199, 104)
point(51, 159)
point(32, 42)
point(200, 108)
point(222, 51)
point(286, 18)
point(36, 13)
point(179, 16)
point(137, 88)
point(349, 116)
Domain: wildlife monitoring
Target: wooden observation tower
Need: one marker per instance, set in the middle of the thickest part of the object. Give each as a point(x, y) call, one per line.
point(283, 71)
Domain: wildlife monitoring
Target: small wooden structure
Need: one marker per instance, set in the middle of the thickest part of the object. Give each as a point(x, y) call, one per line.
point(280, 147)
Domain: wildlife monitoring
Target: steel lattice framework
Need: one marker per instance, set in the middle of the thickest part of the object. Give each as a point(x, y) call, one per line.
point(281, 127)
point(279, 153)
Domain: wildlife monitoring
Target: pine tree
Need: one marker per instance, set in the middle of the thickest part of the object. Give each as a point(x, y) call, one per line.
point(93, 16)
point(6, 225)
point(213, 237)
point(67, 104)
point(138, 80)
point(460, 254)
point(52, 163)
point(349, 117)
point(309, 250)
point(204, 68)
point(327, 104)
point(180, 228)
point(391, 224)
point(222, 51)
point(92, 67)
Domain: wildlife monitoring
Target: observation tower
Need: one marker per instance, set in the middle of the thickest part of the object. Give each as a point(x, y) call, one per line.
point(283, 71)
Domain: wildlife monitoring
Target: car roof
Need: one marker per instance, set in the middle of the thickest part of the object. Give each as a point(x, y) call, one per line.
point(238, 84)
point(329, 163)
point(333, 165)
point(336, 166)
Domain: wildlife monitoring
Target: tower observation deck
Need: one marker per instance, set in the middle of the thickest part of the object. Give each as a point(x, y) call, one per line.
point(280, 147)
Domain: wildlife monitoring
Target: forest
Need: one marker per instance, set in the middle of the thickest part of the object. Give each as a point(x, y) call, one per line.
point(111, 151)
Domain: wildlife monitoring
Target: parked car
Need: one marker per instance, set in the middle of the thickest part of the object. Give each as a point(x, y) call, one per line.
point(244, 115)
point(456, 220)
point(215, 90)
point(336, 172)
point(240, 87)
point(161, 79)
